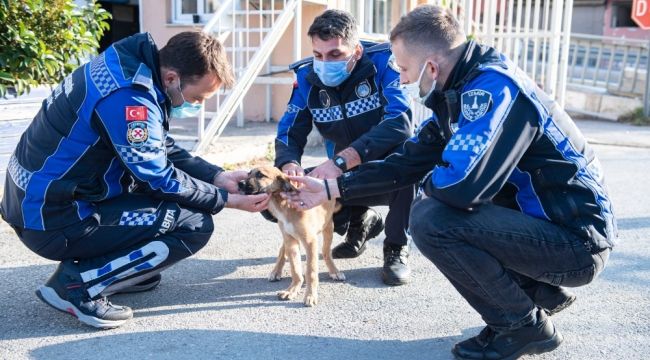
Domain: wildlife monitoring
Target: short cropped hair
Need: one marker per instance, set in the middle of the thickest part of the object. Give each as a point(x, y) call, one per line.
point(194, 54)
point(335, 23)
point(429, 27)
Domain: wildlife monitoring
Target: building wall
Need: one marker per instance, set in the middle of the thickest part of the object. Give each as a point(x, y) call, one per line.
point(631, 32)
point(588, 19)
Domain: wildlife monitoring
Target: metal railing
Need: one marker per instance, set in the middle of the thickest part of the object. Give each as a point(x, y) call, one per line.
point(611, 65)
point(249, 31)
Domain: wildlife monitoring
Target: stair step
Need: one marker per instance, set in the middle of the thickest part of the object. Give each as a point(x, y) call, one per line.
point(243, 49)
point(250, 30)
point(256, 12)
point(268, 80)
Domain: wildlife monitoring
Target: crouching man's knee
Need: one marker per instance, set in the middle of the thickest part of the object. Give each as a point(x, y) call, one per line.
point(194, 228)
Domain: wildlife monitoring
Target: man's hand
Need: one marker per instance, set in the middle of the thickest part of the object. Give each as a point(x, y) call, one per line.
point(311, 192)
point(293, 169)
point(252, 203)
point(326, 170)
point(229, 179)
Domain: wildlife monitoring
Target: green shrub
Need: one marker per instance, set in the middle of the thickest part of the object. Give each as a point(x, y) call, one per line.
point(635, 117)
point(41, 41)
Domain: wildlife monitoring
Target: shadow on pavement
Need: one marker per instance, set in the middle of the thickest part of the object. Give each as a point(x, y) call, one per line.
point(189, 282)
point(224, 344)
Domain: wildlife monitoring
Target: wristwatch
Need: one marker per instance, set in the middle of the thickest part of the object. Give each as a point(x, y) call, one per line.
point(339, 161)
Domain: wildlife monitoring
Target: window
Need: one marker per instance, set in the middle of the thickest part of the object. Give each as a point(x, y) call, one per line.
point(374, 16)
point(194, 11)
point(622, 15)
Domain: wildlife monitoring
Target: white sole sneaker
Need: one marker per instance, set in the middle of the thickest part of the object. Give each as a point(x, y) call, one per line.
point(50, 297)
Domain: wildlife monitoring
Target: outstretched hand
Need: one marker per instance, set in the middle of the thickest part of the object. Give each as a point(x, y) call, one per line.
point(311, 192)
point(251, 203)
point(228, 180)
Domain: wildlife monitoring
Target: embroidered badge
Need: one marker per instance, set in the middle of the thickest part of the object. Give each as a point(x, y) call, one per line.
point(324, 98)
point(136, 113)
point(363, 89)
point(137, 133)
point(475, 103)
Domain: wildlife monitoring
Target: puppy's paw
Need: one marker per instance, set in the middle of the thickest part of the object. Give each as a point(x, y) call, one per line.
point(311, 300)
point(275, 276)
point(337, 276)
point(287, 295)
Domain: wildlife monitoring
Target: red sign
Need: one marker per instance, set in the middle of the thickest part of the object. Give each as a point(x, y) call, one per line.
point(641, 13)
point(136, 113)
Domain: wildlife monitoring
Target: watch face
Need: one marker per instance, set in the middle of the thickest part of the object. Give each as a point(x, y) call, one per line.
point(339, 161)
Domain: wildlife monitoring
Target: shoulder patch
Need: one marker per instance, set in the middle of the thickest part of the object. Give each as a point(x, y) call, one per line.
point(137, 133)
point(475, 103)
point(136, 113)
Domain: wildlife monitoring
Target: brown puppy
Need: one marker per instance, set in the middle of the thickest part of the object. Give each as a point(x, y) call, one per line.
point(296, 227)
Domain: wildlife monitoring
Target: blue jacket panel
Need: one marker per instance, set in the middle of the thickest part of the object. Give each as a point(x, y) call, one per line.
point(85, 146)
point(368, 111)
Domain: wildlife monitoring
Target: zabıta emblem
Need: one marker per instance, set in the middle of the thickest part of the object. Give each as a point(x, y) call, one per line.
point(363, 89)
point(324, 98)
point(137, 133)
point(475, 103)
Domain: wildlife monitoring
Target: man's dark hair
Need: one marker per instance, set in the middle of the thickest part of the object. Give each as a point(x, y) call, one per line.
point(194, 54)
point(335, 23)
point(430, 28)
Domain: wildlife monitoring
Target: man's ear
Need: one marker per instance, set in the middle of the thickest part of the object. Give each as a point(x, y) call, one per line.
point(286, 185)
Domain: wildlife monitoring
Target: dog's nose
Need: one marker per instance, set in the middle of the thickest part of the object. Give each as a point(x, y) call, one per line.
point(242, 185)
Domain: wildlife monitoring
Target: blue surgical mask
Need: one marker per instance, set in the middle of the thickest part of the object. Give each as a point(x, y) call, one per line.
point(186, 109)
point(413, 89)
point(332, 73)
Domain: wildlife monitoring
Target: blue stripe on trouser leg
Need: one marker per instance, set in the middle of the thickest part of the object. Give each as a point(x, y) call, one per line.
point(158, 248)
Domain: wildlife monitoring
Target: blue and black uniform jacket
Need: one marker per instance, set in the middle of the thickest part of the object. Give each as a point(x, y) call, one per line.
point(368, 111)
point(514, 146)
point(102, 133)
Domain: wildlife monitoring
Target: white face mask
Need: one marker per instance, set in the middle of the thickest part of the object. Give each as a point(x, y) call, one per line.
point(413, 89)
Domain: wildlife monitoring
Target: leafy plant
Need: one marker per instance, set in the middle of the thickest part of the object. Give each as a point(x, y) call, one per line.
point(43, 41)
point(635, 117)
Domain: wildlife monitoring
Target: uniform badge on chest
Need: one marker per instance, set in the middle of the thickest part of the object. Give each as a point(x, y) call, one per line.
point(363, 89)
point(324, 98)
point(137, 133)
point(475, 103)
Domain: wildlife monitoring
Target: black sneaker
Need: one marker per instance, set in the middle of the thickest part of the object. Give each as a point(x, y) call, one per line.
point(552, 299)
point(536, 338)
point(66, 292)
point(396, 270)
point(361, 229)
point(145, 285)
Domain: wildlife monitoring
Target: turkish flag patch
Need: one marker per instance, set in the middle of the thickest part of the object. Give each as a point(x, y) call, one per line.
point(136, 113)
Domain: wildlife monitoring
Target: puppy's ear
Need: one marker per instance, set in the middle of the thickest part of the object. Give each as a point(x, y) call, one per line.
point(286, 185)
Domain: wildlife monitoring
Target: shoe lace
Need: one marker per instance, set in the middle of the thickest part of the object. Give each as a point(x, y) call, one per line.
point(394, 255)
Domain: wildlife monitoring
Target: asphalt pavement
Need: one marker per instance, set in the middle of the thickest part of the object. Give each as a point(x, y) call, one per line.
point(219, 305)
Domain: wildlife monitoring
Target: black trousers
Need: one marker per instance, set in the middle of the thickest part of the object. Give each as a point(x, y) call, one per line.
point(129, 239)
point(491, 254)
point(399, 208)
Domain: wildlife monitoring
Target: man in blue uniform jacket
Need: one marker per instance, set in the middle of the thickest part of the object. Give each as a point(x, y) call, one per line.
point(349, 91)
point(514, 207)
point(97, 184)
